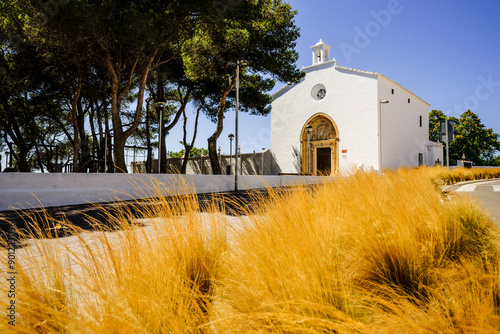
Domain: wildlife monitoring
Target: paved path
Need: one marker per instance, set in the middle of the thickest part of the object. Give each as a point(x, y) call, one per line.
point(232, 203)
point(486, 192)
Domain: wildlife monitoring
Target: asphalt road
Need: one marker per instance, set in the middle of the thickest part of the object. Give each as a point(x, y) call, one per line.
point(232, 203)
point(486, 192)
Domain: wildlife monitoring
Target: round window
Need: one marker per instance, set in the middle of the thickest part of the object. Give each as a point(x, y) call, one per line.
point(321, 93)
point(318, 92)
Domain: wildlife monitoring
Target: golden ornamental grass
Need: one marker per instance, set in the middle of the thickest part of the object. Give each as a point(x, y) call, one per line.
point(444, 176)
point(356, 254)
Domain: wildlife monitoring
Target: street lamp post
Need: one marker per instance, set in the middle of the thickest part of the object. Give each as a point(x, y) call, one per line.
point(160, 104)
point(263, 151)
point(309, 129)
point(106, 152)
point(447, 146)
point(238, 64)
point(230, 136)
point(149, 167)
point(380, 135)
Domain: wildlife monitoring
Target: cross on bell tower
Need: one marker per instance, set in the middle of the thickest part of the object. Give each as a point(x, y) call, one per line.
point(320, 53)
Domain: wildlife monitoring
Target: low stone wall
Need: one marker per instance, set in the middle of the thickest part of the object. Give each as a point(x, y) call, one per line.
point(262, 163)
point(33, 190)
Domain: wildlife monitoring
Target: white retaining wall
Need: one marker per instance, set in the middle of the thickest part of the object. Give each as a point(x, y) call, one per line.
point(34, 190)
point(261, 163)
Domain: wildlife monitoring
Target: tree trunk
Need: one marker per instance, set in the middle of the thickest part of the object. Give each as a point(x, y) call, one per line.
point(108, 146)
point(13, 129)
point(74, 114)
point(23, 159)
point(212, 141)
point(148, 139)
point(187, 150)
point(85, 154)
point(39, 159)
point(76, 139)
point(84, 150)
point(188, 147)
point(163, 153)
point(184, 101)
point(119, 153)
point(95, 140)
point(102, 144)
point(119, 143)
point(117, 95)
point(212, 153)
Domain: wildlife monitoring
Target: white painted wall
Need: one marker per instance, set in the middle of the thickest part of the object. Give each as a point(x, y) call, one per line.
point(34, 190)
point(351, 102)
point(434, 153)
point(248, 164)
point(402, 136)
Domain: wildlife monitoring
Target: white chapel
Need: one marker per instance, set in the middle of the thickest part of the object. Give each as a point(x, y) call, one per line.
point(338, 119)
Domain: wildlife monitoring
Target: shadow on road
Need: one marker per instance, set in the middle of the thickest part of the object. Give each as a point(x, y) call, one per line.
point(82, 216)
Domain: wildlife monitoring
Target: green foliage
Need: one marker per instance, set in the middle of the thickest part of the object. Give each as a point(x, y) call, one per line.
point(195, 152)
point(472, 139)
point(435, 118)
point(261, 32)
point(68, 64)
point(31, 110)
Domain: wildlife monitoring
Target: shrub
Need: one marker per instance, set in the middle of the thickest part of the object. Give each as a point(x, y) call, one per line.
point(357, 254)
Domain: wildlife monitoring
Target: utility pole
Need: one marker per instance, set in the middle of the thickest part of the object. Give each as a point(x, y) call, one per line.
point(447, 134)
point(238, 64)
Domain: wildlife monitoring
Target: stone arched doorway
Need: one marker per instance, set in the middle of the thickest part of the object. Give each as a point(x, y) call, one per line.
point(319, 154)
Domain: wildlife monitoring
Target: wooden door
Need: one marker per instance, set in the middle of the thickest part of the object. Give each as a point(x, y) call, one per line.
point(323, 161)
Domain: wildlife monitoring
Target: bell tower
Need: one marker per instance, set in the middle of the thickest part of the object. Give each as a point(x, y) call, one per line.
point(320, 53)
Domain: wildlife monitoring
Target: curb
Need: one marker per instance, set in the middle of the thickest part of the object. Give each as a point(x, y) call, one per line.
point(455, 186)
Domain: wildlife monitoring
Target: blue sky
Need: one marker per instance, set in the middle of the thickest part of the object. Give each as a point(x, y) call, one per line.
point(446, 52)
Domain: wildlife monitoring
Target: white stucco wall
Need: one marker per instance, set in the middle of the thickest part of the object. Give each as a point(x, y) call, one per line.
point(403, 139)
point(434, 153)
point(34, 190)
point(350, 101)
point(353, 102)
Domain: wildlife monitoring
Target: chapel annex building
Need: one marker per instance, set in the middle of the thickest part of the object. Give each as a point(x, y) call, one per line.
point(338, 119)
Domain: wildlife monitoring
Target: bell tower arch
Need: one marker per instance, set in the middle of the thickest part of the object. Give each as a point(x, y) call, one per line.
point(320, 53)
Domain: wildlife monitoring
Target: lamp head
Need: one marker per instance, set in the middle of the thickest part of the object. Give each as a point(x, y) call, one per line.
point(384, 101)
point(230, 136)
point(160, 103)
point(309, 127)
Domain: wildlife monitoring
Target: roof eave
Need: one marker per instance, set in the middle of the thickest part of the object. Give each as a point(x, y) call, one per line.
point(406, 89)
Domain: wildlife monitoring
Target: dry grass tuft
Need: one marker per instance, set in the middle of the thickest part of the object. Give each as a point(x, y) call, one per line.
point(123, 277)
point(442, 176)
point(360, 254)
point(360, 251)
